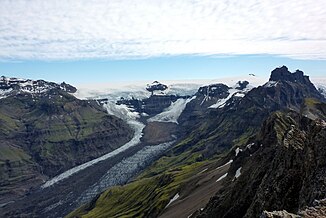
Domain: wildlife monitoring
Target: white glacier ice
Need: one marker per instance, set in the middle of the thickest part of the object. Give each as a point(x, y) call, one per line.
point(173, 112)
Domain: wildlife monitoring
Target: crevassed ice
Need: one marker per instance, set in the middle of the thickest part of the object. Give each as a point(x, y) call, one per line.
point(121, 172)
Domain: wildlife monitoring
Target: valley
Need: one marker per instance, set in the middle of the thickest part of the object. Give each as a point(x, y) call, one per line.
point(183, 153)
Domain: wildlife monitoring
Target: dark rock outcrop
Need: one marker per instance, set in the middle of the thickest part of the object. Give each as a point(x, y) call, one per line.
point(156, 86)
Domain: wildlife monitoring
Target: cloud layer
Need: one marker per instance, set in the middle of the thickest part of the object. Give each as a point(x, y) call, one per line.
point(119, 29)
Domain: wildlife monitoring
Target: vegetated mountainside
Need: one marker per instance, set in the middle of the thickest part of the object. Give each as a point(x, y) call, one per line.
point(44, 131)
point(284, 169)
point(195, 168)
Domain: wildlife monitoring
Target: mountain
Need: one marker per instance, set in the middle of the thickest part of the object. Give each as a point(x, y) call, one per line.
point(164, 149)
point(284, 169)
point(14, 86)
point(256, 149)
point(44, 130)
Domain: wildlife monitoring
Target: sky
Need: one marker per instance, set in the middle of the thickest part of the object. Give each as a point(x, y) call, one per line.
point(82, 41)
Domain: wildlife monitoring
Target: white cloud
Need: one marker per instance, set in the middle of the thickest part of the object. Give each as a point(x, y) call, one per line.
point(71, 29)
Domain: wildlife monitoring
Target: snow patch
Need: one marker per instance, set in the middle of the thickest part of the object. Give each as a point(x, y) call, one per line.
point(237, 151)
point(238, 172)
point(222, 177)
point(202, 171)
point(270, 84)
point(5, 93)
point(250, 145)
point(240, 95)
point(173, 112)
point(221, 102)
point(173, 199)
point(230, 161)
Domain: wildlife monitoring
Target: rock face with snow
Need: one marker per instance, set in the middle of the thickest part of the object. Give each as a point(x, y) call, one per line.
point(153, 105)
point(156, 87)
point(14, 86)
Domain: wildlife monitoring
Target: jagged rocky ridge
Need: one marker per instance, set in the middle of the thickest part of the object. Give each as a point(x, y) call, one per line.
point(44, 130)
point(14, 86)
point(242, 117)
point(283, 169)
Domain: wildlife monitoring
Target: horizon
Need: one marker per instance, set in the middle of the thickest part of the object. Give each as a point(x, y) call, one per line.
point(159, 40)
point(80, 73)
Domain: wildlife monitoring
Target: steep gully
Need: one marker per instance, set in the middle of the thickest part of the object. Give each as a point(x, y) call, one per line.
point(65, 192)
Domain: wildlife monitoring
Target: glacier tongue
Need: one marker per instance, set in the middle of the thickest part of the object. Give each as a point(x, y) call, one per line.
point(120, 173)
point(138, 127)
point(123, 112)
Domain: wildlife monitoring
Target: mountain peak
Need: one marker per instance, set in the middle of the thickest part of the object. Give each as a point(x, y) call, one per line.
point(156, 86)
point(12, 86)
point(283, 74)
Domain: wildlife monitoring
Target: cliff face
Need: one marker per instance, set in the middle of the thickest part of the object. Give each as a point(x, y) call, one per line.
point(283, 170)
point(45, 133)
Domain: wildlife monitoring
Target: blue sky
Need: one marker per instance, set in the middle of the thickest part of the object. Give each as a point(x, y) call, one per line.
point(82, 41)
point(163, 68)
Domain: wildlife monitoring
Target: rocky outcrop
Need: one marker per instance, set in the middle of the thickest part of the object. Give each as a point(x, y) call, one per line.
point(156, 86)
point(278, 214)
point(317, 210)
